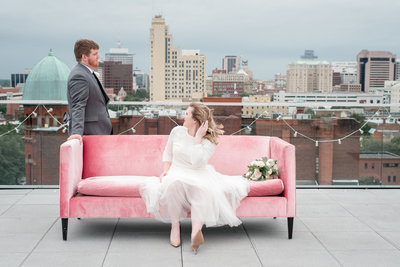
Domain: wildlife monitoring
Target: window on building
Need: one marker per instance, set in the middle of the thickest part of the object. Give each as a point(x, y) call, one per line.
point(365, 165)
point(394, 179)
point(372, 165)
point(388, 179)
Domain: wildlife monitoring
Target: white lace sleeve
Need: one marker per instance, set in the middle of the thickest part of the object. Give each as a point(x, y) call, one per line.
point(201, 153)
point(167, 155)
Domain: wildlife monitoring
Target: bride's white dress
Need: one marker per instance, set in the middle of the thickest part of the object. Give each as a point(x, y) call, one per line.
point(193, 186)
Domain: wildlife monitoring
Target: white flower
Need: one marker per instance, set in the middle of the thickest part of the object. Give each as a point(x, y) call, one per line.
point(260, 163)
point(270, 163)
point(269, 172)
point(275, 167)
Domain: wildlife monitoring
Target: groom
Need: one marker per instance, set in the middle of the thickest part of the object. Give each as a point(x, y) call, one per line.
point(87, 100)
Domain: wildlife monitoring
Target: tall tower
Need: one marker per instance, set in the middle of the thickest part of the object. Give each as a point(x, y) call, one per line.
point(374, 68)
point(174, 76)
point(159, 40)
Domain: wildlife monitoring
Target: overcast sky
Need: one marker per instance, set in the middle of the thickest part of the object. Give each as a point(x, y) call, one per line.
point(268, 33)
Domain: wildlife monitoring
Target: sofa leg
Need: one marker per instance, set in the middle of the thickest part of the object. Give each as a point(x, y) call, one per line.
point(290, 226)
point(64, 223)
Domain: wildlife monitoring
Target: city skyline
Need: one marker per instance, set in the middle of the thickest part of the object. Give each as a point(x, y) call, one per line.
point(270, 35)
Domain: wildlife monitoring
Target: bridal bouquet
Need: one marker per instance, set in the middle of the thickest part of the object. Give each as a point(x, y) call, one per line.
point(262, 169)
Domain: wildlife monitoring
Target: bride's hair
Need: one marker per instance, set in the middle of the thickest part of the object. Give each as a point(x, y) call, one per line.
point(201, 113)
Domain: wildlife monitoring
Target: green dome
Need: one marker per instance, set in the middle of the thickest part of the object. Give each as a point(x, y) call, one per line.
point(47, 80)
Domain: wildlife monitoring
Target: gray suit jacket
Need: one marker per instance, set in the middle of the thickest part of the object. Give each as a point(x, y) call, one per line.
point(87, 103)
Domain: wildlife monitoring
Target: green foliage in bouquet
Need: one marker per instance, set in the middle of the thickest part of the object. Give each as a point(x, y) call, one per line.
point(262, 169)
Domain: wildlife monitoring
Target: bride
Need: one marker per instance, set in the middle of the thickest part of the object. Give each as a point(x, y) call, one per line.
point(188, 184)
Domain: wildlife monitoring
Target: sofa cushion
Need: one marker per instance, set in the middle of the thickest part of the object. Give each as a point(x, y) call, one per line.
point(271, 187)
point(129, 186)
point(114, 186)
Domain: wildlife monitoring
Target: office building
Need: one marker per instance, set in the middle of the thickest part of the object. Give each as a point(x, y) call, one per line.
point(17, 78)
point(309, 74)
point(374, 68)
point(231, 63)
point(119, 55)
point(228, 84)
point(174, 75)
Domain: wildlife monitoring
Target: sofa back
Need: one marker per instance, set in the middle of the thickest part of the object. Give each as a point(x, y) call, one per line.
point(234, 153)
point(142, 154)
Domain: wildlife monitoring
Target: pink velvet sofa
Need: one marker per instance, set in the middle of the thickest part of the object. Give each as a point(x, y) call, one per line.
point(111, 157)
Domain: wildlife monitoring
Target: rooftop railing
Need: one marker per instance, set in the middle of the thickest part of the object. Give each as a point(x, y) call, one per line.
point(337, 144)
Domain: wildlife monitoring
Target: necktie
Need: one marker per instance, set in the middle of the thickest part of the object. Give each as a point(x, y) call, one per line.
point(101, 87)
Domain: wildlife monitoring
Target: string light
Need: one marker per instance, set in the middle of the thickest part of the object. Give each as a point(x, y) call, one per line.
point(133, 128)
point(339, 141)
point(19, 125)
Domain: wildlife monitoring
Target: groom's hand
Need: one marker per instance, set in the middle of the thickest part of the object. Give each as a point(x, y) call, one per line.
point(75, 136)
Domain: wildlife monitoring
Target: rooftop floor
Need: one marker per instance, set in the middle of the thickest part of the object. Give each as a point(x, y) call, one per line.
point(333, 227)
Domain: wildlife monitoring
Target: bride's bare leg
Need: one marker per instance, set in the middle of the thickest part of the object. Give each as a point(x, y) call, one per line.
point(175, 236)
point(198, 211)
point(174, 210)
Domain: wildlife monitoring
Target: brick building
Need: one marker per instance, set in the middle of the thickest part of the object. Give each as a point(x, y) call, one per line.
point(382, 166)
point(43, 134)
point(323, 163)
point(118, 75)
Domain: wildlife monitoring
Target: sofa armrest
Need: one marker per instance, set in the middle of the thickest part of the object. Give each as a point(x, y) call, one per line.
point(71, 164)
point(285, 153)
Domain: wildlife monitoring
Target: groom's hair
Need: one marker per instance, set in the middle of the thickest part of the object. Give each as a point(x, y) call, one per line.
point(82, 47)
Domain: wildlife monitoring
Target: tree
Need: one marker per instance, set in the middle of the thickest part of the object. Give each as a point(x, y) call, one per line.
point(132, 97)
point(361, 120)
point(374, 145)
point(12, 155)
point(369, 180)
point(3, 108)
point(142, 94)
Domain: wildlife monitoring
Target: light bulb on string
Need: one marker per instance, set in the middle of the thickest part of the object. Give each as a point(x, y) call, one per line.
point(133, 130)
point(361, 131)
point(17, 130)
point(295, 134)
point(34, 114)
point(50, 110)
point(316, 143)
point(279, 117)
point(64, 130)
point(339, 141)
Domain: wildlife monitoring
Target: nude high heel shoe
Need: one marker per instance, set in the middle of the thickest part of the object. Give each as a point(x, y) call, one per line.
point(197, 240)
point(175, 243)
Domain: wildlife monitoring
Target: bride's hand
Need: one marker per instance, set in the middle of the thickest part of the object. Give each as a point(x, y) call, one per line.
point(201, 132)
point(162, 175)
